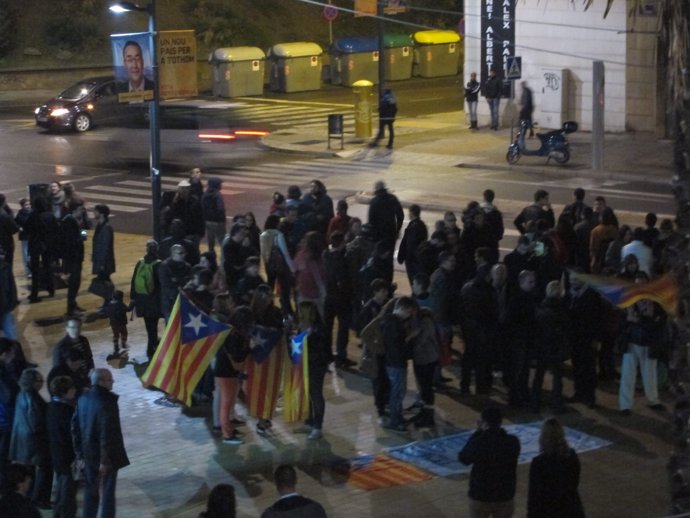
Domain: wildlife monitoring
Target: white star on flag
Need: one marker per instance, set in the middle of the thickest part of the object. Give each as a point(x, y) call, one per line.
point(296, 346)
point(195, 323)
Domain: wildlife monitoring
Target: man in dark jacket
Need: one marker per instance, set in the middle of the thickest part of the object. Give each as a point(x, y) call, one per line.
point(493, 454)
point(8, 227)
point(527, 106)
point(8, 298)
point(213, 210)
point(73, 340)
point(59, 421)
point(388, 109)
point(338, 302)
point(492, 93)
point(8, 394)
point(539, 210)
point(72, 243)
point(415, 234)
point(480, 315)
point(386, 218)
point(316, 208)
point(173, 274)
point(103, 253)
point(291, 503)
point(98, 443)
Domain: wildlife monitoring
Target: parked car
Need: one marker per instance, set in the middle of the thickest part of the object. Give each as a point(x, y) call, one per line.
point(89, 102)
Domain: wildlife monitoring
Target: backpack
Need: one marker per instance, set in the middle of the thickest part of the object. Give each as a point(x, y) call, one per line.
point(144, 280)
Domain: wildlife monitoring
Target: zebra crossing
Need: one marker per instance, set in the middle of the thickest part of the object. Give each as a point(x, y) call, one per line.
point(278, 114)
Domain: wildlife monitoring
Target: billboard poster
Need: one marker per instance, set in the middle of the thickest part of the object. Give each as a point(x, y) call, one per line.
point(177, 75)
point(395, 7)
point(365, 7)
point(133, 64)
point(498, 39)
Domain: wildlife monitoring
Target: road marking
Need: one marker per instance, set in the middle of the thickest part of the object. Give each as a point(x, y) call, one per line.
point(282, 101)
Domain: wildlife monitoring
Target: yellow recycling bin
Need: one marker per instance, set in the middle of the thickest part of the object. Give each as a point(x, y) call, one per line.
point(363, 107)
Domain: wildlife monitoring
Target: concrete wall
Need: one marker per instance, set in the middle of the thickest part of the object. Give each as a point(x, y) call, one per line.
point(644, 107)
point(561, 34)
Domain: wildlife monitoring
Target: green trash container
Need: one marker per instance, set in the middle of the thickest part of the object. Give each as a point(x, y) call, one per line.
point(238, 71)
point(354, 59)
point(437, 53)
point(399, 56)
point(295, 67)
point(363, 107)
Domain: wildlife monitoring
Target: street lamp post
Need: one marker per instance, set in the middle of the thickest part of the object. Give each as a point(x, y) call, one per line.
point(154, 111)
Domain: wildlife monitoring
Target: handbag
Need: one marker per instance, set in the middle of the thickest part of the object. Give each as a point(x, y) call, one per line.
point(367, 364)
point(102, 288)
point(276, 261)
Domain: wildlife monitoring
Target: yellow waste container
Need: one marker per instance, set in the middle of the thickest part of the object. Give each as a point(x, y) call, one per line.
point(363, 107)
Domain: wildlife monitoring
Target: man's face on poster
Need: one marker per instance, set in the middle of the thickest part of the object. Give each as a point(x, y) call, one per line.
point(134, 64)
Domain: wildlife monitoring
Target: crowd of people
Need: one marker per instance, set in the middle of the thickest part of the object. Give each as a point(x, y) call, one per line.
point(527, 311)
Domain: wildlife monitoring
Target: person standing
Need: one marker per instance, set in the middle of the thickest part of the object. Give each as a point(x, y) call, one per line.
point(415, 234)
point(8, 227)
point(72, 244)
point(338, 303)
point(554, 475)
point(386, 218)
point(388, 109)
point(492, 93)
point(8, 395)
point(20, 219)
point(493, 454)
point(98, 443)
point(59, 422)
point(472, 97)
point(173, 274)
point(8, 298)
point(29, 442)
point(103, 254)
point(527, 107)
point(291, 503)
point(213, 210)
point(73, 340)
point(221, 503)
point(15, 502)
point(145, 292)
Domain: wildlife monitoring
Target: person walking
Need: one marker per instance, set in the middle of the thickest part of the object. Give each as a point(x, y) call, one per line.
point(388, 108)
point(472, 97)
point(493, 454)
point(554, 475)
point(103, 254)
point(98, 444)
point(492, 93)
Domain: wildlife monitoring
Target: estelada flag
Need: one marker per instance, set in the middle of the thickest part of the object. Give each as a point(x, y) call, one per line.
point(296, 385)
point(663, 290)
point(188, 345)
point(264, 371)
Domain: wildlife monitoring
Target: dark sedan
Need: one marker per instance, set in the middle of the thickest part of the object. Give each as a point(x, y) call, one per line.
point(87, 103)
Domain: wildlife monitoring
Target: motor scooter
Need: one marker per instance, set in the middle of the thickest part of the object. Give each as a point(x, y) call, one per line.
point(553, 144)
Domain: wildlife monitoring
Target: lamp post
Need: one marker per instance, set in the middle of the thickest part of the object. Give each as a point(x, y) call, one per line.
point(154, 110)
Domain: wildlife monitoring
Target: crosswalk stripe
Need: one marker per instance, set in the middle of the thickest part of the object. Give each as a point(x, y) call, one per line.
point(109, 197)
point(167, 185)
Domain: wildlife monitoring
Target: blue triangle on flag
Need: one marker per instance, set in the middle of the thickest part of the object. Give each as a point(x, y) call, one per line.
point(195, 324)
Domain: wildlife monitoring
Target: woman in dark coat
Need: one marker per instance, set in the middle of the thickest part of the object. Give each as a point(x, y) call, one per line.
point(103, 256)
point(147, 300)
point(554, 476)
point(29, 443)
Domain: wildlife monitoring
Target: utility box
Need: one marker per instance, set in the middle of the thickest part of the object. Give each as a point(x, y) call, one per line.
point(238, 71)
point(295, 67)
point(354, 59)
point(552, 100)
point(399, 56)
point(363, 91)
point(437, 53)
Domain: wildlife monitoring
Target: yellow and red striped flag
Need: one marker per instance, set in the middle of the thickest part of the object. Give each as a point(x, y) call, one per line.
point(188, 345)
point(264, 371)
point(296, 383)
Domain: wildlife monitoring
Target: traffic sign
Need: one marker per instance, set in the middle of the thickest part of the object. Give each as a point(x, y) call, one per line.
point(514, 67)
point(330, 12)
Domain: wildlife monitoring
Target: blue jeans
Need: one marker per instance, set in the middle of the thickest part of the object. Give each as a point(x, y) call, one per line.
point(99, 488)
point(493, 106)
point(8, 325)
point(65, 496)
point(397, 376)
point(472, 106)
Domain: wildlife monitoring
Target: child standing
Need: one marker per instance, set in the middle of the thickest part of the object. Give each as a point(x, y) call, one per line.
point(117, 313)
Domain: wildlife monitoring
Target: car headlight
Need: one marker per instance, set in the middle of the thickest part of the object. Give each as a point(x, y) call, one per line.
point(37, 110)
point(59, 112)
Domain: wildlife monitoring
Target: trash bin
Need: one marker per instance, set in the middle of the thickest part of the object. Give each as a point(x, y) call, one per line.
point(363, 107)
point(336, 129)
point(238, 71)
point(436, 53)
point(354, 59)
point(398, 54)
point(295, 67)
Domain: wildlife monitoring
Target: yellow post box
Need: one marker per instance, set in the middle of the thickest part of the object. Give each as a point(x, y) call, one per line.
point(363, 107)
